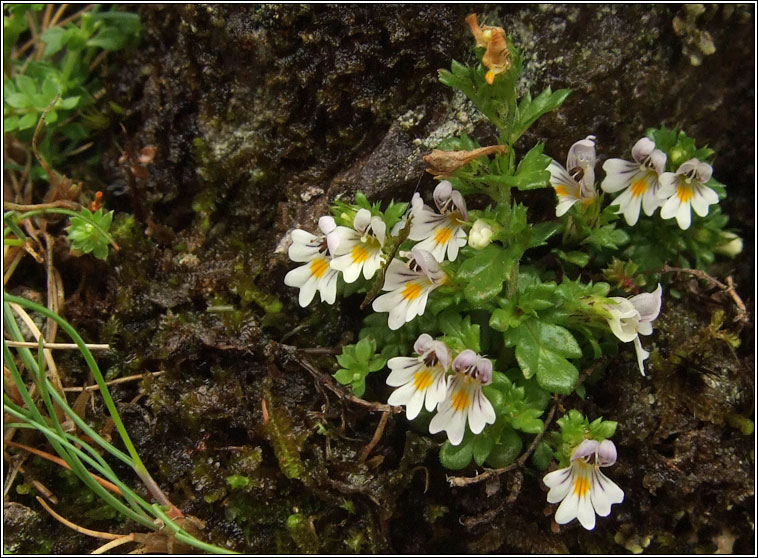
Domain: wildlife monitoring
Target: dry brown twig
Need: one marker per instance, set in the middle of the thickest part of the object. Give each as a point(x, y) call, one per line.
point(729, 288)
point(325, 380)
point(465, 481)
point(489, 473)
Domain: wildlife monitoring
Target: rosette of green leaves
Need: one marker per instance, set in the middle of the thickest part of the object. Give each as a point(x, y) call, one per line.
point(61, 75)
point(88, 232)
point(358, 361)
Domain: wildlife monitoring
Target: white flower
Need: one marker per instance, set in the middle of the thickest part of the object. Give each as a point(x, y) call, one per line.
point(480, 234)
point(634, 316)
point(441, 232)
point(684, 189)
point(409, 284)
point(316, 275)
point(359, 248)
point(420, 380)
point(640, 179)
point(578, 182)
point(581, 488)
point(464, 398)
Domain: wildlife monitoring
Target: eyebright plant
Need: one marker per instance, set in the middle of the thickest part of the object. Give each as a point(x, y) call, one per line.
point(483, 316)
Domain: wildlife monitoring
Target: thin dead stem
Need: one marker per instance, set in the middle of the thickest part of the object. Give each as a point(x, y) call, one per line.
point(58, 461)
point(325, 380)
point(117, 381)
point(729, 288)
point(488, 474)
point(53, 346)
point(74, 526)
point(114, 543)
point(375, 439)
point(65, 204)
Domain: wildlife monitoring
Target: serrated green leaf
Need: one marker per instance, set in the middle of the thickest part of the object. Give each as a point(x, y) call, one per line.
point(603, 430)
point(532, 171)
point(541, 232)
point(541, 350)
point(529, 110)
point(607, 236)
point(579, 259)
point(459, 332)
point(527, 420)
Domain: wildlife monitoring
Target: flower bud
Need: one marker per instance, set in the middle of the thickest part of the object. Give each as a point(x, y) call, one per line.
point(480, 235)
point(731, 244)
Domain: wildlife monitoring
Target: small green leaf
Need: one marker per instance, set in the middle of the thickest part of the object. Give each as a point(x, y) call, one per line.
point(364, 349)
point(484, 442)
point(29, 120)
point(602, 429)
point(456, 457)
point(18, 100)
point(10, 123)
point(460, 333)
point(26, 85)
point(579, 259)
point(529, 110)
point(55, 39)
point(70, 102)
point(507, 448)
point(343, 376)
point(607, 236)
point(542, 456)
point(109, 38)
point(504, 318)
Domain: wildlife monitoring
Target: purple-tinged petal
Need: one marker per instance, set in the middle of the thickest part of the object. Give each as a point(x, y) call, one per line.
point(442, 193)
point(606, 453)
point(648, 304)
point(585, 449)
point(424, 344)
point(582, 154)
point(642, 149)
point(465, 360)
point(658, 158)
point(362, 220)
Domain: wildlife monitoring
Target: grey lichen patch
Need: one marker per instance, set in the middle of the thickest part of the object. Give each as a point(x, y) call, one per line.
point(461, 118)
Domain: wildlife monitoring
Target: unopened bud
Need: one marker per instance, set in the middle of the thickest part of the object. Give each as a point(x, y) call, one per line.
point(480, 235)
point(731, 245)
